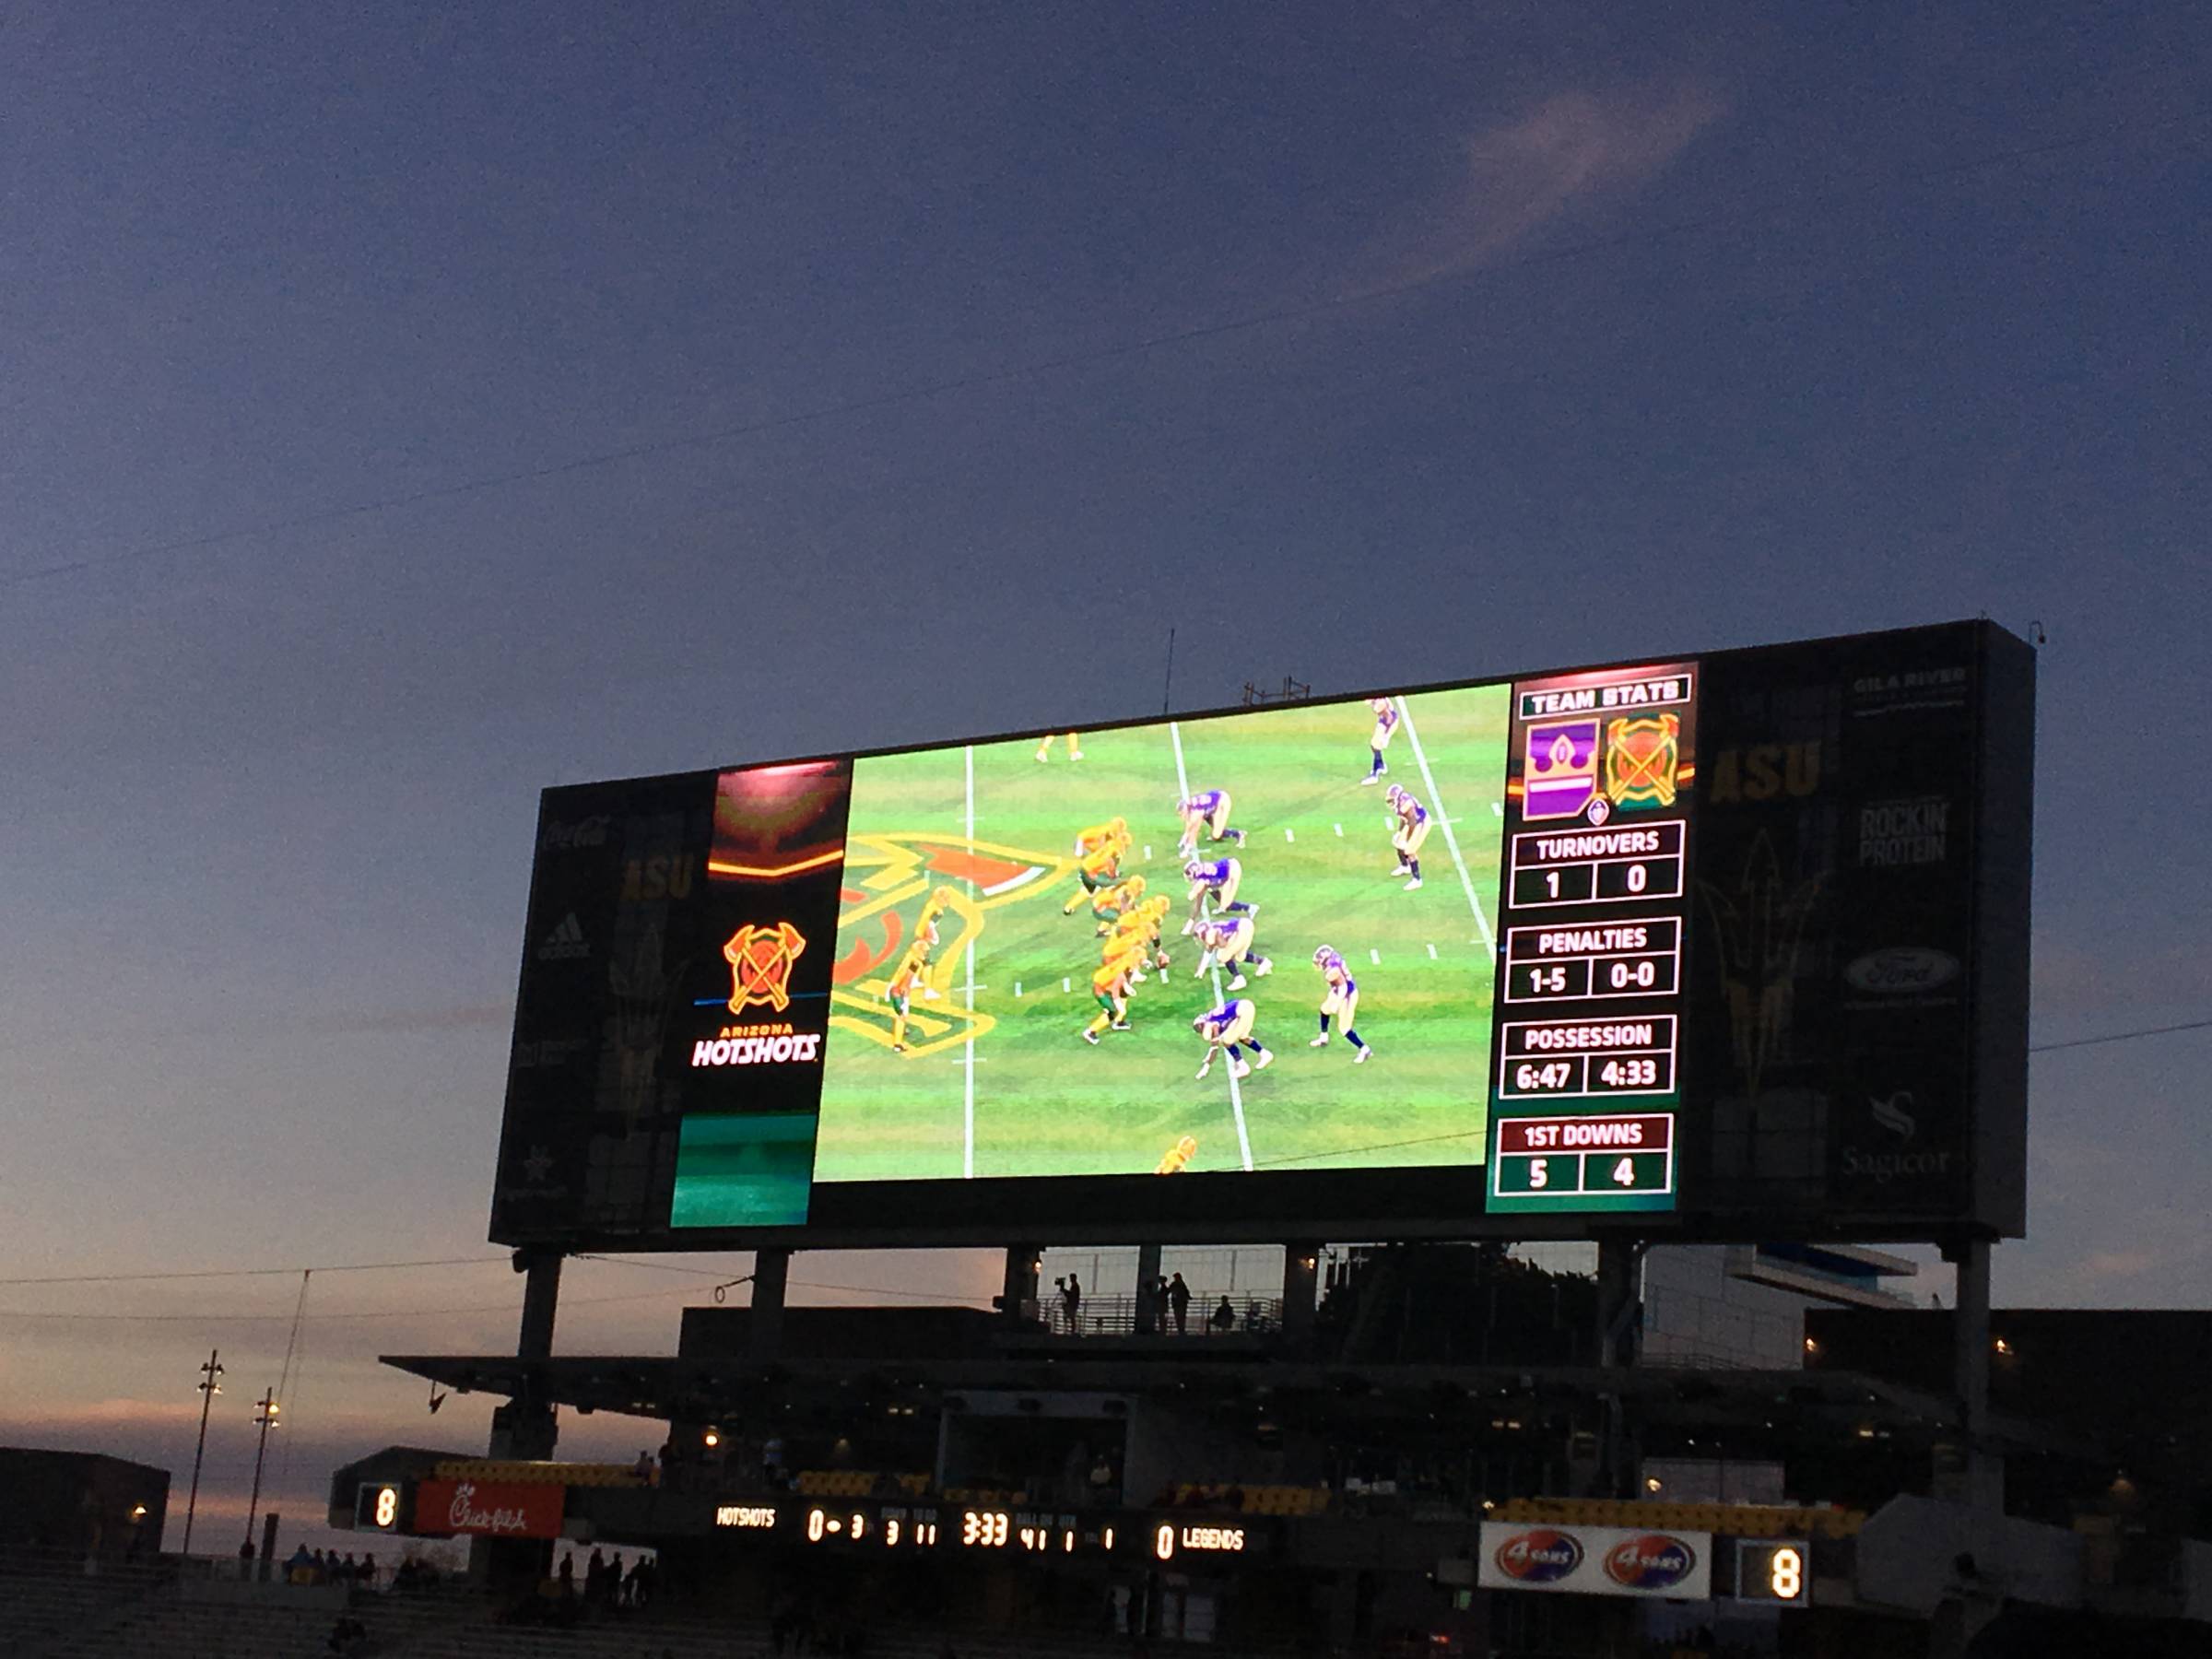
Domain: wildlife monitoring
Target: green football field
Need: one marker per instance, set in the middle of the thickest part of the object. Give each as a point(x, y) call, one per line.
point(998, 1081)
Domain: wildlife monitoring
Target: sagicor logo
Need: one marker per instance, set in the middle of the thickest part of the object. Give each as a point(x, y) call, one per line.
point(1891, 1113)
point(760, 959)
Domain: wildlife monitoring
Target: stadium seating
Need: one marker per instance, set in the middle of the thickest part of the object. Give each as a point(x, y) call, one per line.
point(857, 1483)
point(516, 1471)
point(1248, 1500)
point(1733, 1520)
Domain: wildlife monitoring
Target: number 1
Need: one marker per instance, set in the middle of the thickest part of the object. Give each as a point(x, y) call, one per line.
point(1551, 883)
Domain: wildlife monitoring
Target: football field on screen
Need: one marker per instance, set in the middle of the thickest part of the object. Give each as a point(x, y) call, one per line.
point(999, 1080)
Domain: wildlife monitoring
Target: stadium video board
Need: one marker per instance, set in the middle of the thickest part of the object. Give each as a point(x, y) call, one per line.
point(1731, 944)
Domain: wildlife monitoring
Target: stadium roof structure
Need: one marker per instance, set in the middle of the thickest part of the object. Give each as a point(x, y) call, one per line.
point(1749, 1409)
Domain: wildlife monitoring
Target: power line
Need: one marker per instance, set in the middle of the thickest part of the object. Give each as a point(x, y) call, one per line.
point(2074, 1042)
point(208, 1273)
point(1143, 345)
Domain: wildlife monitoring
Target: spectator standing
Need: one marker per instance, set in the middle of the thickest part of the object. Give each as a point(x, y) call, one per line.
point(1179, 1304)
point(1071, 1301)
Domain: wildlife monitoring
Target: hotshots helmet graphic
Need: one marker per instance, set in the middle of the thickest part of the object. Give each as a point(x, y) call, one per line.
point(760, 959)
point(1540, 1556)
point(1650, 1561)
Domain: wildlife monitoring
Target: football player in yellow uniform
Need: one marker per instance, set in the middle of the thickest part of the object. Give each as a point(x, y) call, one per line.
point(1109, 990)
point(1098, 867)
point(912, 973)
point(1136, 934)
point(1110, 904)
point(1179, 1155)
point(1044, 749)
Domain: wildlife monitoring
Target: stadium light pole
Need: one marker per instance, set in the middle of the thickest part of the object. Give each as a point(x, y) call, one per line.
point(266, 1411)
point(210, 1385)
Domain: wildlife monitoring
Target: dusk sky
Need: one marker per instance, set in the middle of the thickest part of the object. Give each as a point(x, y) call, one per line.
point(403, 408)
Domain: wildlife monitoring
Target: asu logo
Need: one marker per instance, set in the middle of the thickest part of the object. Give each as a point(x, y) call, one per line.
point(1641, 758)
point(760, 959)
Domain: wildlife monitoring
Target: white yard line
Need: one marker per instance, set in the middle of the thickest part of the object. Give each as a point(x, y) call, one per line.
point(1236, 1095)
point(967, 1048)
point(1436, 805)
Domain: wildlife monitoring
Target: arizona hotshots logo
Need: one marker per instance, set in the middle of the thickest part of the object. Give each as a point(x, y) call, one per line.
point(761, 958)
point(1650, 1561)
point(1539, 1556)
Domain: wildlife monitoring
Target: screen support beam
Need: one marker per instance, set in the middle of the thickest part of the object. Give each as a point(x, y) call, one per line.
point(1970, 1374)
point(1301, 1268)
point(772, 1280)
point(1147, 1294)
point(526, 1426)
point(1618, 1332)
point(1024, 1263)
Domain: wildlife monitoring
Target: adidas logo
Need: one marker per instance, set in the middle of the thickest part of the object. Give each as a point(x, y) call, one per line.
point(565, 943)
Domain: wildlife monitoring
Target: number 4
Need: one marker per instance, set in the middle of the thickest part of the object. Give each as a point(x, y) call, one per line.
point(1625, 1171)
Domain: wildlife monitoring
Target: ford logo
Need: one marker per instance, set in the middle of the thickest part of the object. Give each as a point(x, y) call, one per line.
point(1540, 1556)
point(1900, 969)
point(1650, 1561)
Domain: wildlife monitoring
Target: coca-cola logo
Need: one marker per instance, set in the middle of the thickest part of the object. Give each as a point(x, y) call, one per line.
point(463, 1515)
point(1541, 1556)
point(1650, 1561)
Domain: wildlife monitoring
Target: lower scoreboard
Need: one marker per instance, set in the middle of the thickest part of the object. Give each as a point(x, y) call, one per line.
point(1585, 1090)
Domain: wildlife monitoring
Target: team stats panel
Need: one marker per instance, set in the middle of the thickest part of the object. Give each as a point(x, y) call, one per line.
point(1584, 1084)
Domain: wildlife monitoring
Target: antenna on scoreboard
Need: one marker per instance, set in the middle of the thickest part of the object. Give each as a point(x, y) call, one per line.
point(1167, 695)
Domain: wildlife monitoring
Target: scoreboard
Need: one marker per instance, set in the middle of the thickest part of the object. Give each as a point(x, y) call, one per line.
point(873, 1528)
point(1597, 815)
point(1733, 944)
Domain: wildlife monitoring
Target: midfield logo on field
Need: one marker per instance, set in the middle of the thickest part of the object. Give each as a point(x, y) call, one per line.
point(883, 873)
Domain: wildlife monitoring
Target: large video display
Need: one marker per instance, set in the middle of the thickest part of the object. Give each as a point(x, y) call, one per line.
point(1578, 947)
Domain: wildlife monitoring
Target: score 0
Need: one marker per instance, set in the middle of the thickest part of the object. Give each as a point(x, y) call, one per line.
point(1777, 1572)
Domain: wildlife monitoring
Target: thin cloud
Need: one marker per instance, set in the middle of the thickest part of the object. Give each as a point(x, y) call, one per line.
point(461, 1016)
point(1519, 177)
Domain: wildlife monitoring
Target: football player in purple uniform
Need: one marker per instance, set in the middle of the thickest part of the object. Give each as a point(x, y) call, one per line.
point(1206, 810)
point(1386, 725)
point(1408, 829)
point(1227, 1026)
point(1341, 1000)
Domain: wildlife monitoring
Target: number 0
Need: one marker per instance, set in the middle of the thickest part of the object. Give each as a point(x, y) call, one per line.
point(1638, 878)
point(1786, 1575)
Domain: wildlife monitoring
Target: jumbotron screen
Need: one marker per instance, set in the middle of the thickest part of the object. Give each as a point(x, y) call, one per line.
point(1677, 938)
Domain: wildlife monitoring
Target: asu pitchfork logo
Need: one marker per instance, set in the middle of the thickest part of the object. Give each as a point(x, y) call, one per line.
point(761, 961)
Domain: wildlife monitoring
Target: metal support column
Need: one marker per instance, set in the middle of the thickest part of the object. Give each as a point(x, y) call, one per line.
point(1984, 1470)
point(1619, 1323)
point(1148, 1297)
point(1302, 1271)
point(772, 1279)
point(1018, 1298)
point(525, 1427)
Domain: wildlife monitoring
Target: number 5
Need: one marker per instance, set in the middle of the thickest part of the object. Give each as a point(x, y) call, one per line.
point(1539, 1172)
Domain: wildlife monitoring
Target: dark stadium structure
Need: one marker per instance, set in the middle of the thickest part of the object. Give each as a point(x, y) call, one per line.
point(1311, 1482)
